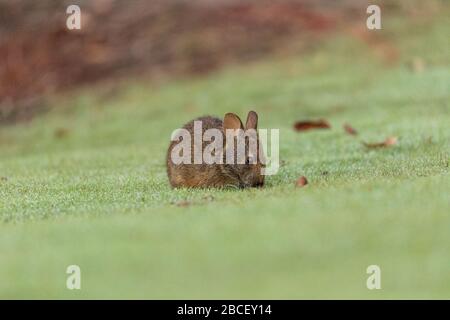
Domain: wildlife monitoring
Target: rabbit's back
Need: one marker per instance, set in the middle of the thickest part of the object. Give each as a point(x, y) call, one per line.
point(197, 175)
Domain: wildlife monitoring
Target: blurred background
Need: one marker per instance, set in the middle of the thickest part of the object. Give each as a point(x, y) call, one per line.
point(165, 39)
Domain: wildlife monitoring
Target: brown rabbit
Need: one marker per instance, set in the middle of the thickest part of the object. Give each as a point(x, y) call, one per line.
point(203, 175)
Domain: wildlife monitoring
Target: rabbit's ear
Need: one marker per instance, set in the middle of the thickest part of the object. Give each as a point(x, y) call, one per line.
point(252, 120)
point(232, 121)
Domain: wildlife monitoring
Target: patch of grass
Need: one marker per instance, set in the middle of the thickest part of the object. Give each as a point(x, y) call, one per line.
point(86, 184)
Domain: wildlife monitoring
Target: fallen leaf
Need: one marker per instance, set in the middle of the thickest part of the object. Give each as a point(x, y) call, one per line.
point(308, 125)
point(61, 133)
point(183, 203)
point(350, 130)
point(386, 143)
point(301, 182)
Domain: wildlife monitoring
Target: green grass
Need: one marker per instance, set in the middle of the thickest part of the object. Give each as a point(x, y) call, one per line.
point(99, 197)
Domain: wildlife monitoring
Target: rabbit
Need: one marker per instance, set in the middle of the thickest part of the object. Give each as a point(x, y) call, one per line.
point(219, 175)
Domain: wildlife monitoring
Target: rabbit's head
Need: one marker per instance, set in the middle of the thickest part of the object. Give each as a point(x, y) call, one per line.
point(247, 152)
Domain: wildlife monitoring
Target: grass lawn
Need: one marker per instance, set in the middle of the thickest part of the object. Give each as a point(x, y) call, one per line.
point(86, 184)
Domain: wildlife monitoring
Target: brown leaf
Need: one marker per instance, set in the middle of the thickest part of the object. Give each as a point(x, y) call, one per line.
point(301, 182)
point(183, 203)
point(386, 143)
point(308, 125)
point(61, 133)
point(350, 130)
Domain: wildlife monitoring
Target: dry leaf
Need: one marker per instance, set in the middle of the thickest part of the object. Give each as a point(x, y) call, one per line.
point(308, 125)
point(386, 143)
point(61, 133)
point(350, 130)
point(184, 203)
point(301, 182)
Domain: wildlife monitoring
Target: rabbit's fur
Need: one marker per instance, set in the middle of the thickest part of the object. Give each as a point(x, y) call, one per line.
point(217, 175)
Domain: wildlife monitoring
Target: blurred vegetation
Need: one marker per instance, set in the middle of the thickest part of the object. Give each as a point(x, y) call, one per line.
point(161, 39)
